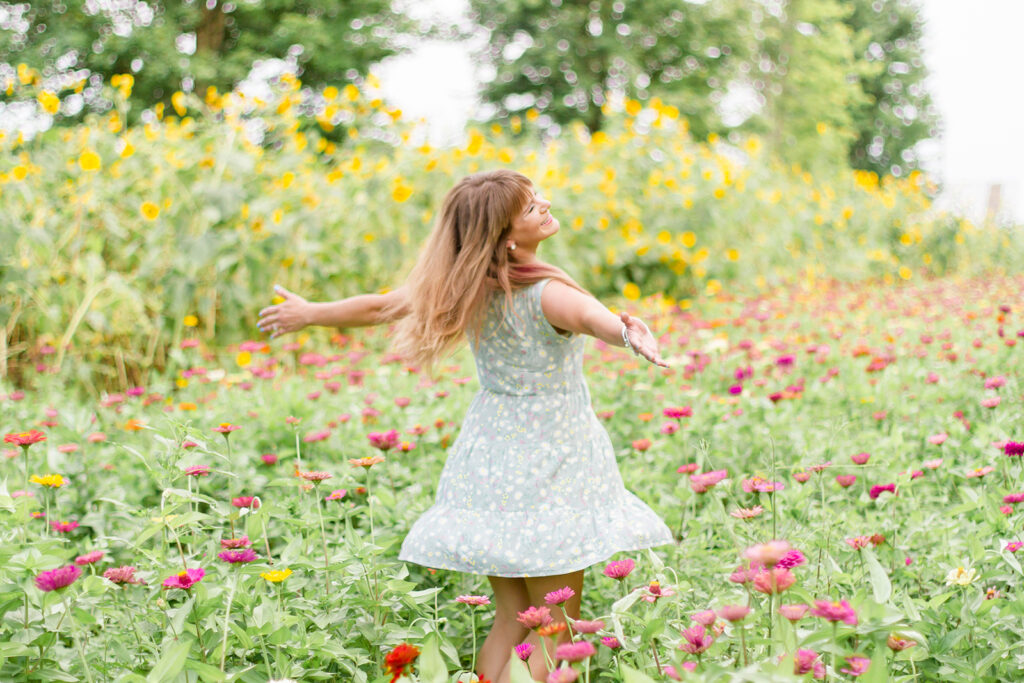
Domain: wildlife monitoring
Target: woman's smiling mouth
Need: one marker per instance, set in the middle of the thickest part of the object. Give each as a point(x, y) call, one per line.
point(548, 220)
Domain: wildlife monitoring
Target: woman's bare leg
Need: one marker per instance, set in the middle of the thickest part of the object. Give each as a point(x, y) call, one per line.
point(510, 598)
point(537, 588)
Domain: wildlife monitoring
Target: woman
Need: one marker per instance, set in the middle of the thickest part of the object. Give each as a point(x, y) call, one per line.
point(531, 494)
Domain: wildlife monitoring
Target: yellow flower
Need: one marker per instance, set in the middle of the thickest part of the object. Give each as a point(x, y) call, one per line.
point(178, 102)
point(961, 576)
point(351, 92)
point(276, 575)
point(149, 211)
point(243, 359)
point(631, 291)
point(905, 273)
point(190, 321)
point(89, 161)
point(822, 128)
point(54, 481)
point(689, 239)
point(49, 102)
point(401, 193)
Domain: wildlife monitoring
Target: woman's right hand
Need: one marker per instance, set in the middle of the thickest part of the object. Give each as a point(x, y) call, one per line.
point(291, 315)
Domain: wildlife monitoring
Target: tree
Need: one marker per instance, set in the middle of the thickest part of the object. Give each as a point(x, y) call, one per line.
point(564, 57)
point(898, 112)
point(170, 46)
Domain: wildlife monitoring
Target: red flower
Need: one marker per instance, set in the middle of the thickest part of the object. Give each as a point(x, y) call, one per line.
point(398, 659)
point(25, 439)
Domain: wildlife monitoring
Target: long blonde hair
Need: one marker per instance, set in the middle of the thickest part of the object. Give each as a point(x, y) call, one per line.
point(462, 263)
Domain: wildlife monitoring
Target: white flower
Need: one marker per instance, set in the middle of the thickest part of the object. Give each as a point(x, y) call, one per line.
point(961, 576)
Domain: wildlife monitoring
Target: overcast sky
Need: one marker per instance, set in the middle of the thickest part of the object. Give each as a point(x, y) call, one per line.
point(973, 49)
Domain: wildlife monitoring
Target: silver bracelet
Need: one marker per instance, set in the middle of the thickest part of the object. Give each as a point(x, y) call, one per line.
point(626, 342)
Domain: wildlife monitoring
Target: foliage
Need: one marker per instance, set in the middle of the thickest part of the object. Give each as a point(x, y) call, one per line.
point(796, 384)
point(168, 45)
point(119, 232)
point(565, 58)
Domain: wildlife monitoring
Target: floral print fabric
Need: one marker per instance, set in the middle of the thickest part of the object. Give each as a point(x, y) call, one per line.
point(531, 486)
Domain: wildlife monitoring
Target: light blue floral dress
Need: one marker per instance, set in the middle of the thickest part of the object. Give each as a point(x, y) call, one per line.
point(531, 486)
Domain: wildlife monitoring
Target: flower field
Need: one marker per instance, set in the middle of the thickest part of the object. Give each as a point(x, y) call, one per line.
point(841, 464)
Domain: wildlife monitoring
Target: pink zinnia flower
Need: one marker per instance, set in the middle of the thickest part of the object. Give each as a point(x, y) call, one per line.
point(670, 672)
point(990, 402)
point(524, 650)
point(979, 472)
point(938, 439)
point(802, 477)
point(575, 652)
point(96, 437)
point(1006, 509)
point(313, 437)
point(856, 666)
point(773, 581)
point(806, 661)
point(794, 558)
point(476, 600)
point(677, 412)
point(235, 543)
point(670, 428)
point(705, 618)
point(611, 642)
point(1014, 546)
point(246, 502)
point(384, 441)
point(846, 480)
point(767, 554)
point(581, 626)
point(995, 382)
point(734, 613)
point(688, 468)
point(747, 513)
point(642, 444)
point(1014, 498)
point(68, 448)
point(337, 494)
point(860, 458)
point(64, 527)
point(237, 556)
point(879, 489)
point(89, 558)
point(563, 675)
point(269, 458)
point(559, 596)
point(835, 611)
point(702, 482)
point(619, 569)
point(858, 542)
point(697, 640)
point(534, 617)
point(933, 464)
point(56, 579)
point(1013, 448)
point(185, 579)
point(226, 428)
point(315, 477)
point(655, 590)
point(794, 612)
point(198, 471)
point(122, 575)
point(761, 485)
point(743, 574)
point(897, 643)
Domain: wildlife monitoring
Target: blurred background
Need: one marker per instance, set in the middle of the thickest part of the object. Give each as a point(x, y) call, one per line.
point(901, 84)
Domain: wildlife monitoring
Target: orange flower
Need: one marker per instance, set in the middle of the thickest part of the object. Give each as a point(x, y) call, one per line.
point(365, 462)
point(133, 425)
point(552, 629)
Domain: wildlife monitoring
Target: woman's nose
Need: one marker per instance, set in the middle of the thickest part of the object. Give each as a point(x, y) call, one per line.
point(545, 204)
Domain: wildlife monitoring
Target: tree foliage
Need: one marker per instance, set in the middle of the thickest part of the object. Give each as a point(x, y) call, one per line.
point(169, 46)
point(564, 57)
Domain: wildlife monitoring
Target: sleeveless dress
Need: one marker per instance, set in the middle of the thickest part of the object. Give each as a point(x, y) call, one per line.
point(531, 486)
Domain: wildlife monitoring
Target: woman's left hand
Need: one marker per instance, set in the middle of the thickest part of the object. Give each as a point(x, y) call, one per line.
point(290, 315)
point(642, 340)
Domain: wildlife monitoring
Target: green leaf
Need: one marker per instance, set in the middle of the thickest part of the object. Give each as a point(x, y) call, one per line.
point(633, 676)
point(520, 673)
point(880, 584)
point(878, 671)
point(653, 629)
point(207, 672)
point(431, 665)
point(171, 663)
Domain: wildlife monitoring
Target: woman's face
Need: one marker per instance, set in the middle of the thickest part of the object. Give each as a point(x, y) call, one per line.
point(534, 224)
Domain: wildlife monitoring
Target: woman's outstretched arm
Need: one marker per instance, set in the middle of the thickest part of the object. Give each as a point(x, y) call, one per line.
point(295, 313)
point(569, 309)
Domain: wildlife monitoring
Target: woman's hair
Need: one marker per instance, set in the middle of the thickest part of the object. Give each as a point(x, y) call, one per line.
point(463, 262)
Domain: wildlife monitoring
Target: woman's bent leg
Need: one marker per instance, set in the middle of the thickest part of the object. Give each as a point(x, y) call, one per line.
point(510, 598)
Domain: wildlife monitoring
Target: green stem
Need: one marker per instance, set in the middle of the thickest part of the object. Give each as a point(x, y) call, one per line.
point(323, 539)
point(472, 626)
point(74, 637)
point(227, 618)
point(199, 637)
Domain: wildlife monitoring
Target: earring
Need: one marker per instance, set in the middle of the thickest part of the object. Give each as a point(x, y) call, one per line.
point(512, 246)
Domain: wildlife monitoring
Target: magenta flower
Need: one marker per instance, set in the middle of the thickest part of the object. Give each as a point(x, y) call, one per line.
point(235, 543)
point(697, 640)
point(226, 428)
point(802, 477)
point(835, 611)
point(524, 650)
point(476, 600)
point(534, 617)
point(246, 502)
point(794, 612)
point(237, 556)
point(269, 458)
point(767, 554)
point(575, 652)
point(619, 569)
point(806, 661)
point(879, 489)
point(198, 471)
point(761, 485)
point(611, 642)
point(1013, 448)
point(384, 441)
point(702, 482)
point(677, 412)
point(581, 626)
point(654, 591)
point(89, 558)
point(794, 558)
point(337, 494)
point(1014, 546)
point(846, 480)
point(856, 666)
point(734, 613)
point(313, 437)
point(64, 527)
point(670, 672)
point(122, 575)
point(1014, 498)
point(860, 458)
point(705, 617)
point(559, 596)
point(745, 574)
point(56, 579)
point(186, 579)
